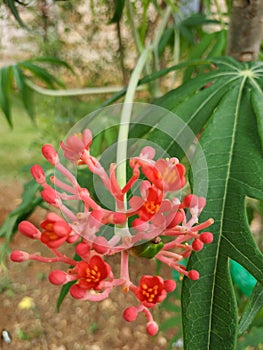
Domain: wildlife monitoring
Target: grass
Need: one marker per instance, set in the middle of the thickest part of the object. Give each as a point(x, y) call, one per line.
point(20, 147)
point(16, 145)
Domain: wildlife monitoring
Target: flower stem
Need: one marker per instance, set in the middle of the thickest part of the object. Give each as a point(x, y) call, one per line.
point(126, 116)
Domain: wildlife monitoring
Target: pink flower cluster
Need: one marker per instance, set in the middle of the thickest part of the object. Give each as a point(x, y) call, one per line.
point(153, 224)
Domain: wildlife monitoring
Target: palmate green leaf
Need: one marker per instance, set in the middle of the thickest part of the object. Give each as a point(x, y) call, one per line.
point(226, 103)
point(211, 45)
point(233, 151)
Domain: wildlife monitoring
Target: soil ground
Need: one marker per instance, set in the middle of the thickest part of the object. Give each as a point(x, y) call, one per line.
point(28, 304)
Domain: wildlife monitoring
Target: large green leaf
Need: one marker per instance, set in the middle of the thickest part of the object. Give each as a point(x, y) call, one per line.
point(230, 111)
point(227, 103)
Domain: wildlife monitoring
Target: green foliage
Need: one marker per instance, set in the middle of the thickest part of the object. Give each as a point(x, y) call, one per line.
point(17, 76)
point(253, 338)
point(221, 100)
point(232, 146)
point(118, 11)
point(12, 6)
point(225, 103)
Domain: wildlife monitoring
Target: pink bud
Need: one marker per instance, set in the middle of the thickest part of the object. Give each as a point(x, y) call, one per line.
point(29, 230)
point(152, 328)
point(58, 277)
point(193, 275)
point(119, 218)
point(77, 292)
point(197, 245)
point(192, 201)
point(19, 256)
point(206, 237)
point(49, 196)
point(130, 314)
point(169, 286)
point(147, 152)
point(176, 220)
point(100, 245)
point(50, 154)
point(38, 174)
point(72, 238)
point(82, 249)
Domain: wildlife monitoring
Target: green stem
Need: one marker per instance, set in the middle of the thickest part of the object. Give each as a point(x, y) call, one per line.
point(136, 36)
point(126, 116)
point(159, 33)
point(73, 92)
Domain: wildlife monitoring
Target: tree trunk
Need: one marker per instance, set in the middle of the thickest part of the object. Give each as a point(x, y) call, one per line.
point(245, 30)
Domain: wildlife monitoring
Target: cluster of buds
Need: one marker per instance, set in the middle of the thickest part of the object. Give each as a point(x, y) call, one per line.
point(151, 224)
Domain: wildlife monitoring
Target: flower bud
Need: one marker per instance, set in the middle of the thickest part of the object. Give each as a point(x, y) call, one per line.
point(130, 314)
point(58, 277)
point(19, 256)
point(77, 292)
point(193, 275)
point(197, 245)
point(50, 154)
point(100, 245)
point(206, 237)
point(29, 230)
point(152, 328)
point(49, 196)
point(169, 286)
point(83, 250)
point(38, 174)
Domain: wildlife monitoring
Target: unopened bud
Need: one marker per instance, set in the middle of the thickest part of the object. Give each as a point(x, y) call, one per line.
point(130, 314)
point(206, 237)
point(193, 275)
point(169, 286)
point(100, 245)
point(38, 174)
point(29, 230)
point(50, 154)
point(19, 256)
point(152, 328)
point(49, 196)
point(58, 277)
point(197, 245)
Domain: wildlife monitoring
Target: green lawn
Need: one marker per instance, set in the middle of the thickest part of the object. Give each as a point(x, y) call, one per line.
point(20, 147)
point(17, 148)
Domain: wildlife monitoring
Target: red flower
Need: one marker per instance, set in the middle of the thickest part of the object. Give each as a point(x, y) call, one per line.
point(91, 274)
point(56, 231)
point(149, 205)
point(151, 290)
